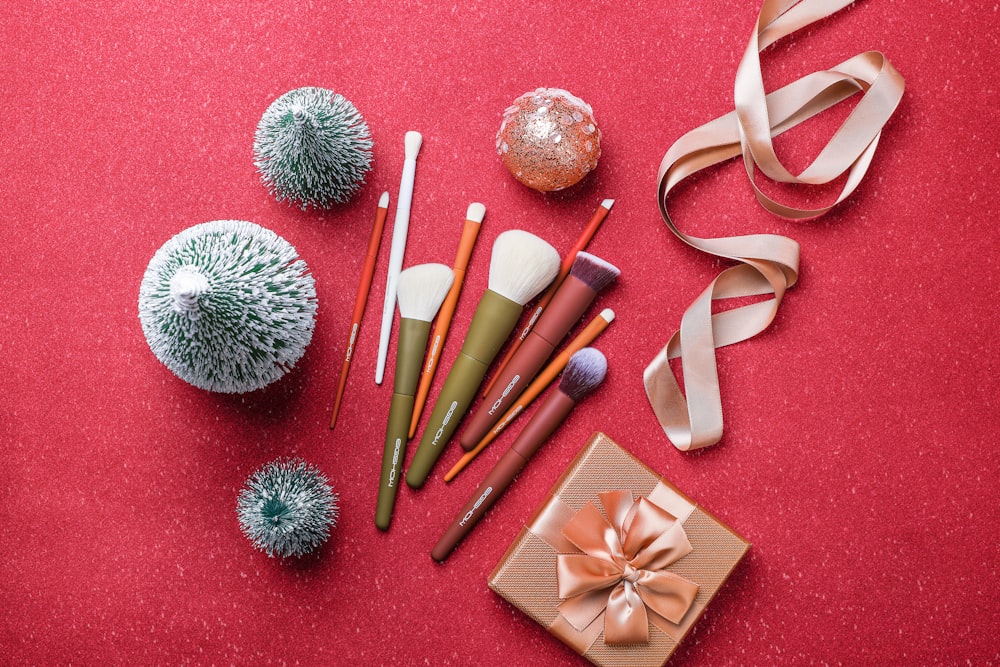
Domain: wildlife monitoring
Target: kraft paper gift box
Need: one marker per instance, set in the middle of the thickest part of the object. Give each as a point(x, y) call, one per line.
point(635, 560)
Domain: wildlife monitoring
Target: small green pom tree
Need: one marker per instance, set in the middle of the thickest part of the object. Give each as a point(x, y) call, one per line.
point(287, 508)
point(227, 306)
point(312, 148)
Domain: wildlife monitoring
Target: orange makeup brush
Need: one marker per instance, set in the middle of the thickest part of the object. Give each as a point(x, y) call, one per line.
point(585, 236)
point(470, 232)
point(361, 299)
point(544, 379)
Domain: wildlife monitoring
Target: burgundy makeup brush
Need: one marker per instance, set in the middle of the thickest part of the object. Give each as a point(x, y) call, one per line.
point(584, 372)
point(588, 276)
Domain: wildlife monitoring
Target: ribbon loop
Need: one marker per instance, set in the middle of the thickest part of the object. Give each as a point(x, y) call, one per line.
point(767, 264)
point(620, 571)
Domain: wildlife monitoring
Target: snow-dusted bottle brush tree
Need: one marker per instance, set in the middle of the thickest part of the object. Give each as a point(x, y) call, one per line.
point(228, 306)
point(286, 508)
point(312, 148)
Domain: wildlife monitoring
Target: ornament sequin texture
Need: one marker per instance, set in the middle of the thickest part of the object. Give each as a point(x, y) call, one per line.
point(548, 139)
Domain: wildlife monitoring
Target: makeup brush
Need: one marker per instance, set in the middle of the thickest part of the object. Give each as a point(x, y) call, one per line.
point(521, 266)
point(400, 228)
point(567, 263)
point(361, 299)
point(421, 290)
point(473, 218)
point(584, 372)
point(588, 276)
point(541, 383)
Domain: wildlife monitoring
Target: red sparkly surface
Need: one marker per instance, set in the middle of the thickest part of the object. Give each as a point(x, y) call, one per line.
point(858, 456)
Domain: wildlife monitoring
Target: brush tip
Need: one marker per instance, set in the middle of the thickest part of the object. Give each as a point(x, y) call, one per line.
point(422, 289)
point(476, 212)
point(411, 144)
point(584, 372)
point(608, 315)
point(383, 201)
point(594, 271)
point(522, 265)
point(608, 203)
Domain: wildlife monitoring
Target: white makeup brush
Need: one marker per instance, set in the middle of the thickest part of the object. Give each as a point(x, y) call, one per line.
point(521, 266)
point(400, 227)
point(422, 288)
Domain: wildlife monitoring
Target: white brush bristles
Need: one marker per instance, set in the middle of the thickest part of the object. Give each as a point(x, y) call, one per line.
point(411, 144)
point(422, 289)
point(476, 212)
point(522, 265)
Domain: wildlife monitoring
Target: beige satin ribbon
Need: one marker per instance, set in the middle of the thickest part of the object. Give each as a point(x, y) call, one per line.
point(619, 570)
point(767, 264)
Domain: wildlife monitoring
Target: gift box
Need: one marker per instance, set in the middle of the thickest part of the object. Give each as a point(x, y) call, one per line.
point(617, 563)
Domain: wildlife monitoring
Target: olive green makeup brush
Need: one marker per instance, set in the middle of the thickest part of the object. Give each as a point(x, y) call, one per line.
point(521, 266)
point(419, 293)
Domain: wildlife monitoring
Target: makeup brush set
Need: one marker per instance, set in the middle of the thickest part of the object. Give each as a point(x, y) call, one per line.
point(522, 267)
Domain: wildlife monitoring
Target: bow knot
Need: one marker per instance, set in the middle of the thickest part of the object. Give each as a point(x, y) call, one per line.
point(620, 571)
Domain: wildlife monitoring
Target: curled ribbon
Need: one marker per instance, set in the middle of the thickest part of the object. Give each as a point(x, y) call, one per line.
point(621, 570)
point(766, 263)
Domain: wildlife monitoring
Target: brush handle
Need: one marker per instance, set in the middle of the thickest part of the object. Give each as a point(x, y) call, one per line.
point(497, 481)
point(548, 418)
point(400, 228)
point(412, 339)
point(565, 309)
point(470, 233)
point(492, 322)
point(392, 457)
point(360, 300)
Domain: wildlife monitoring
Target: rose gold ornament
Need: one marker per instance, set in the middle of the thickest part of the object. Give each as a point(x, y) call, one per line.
point(549, 139)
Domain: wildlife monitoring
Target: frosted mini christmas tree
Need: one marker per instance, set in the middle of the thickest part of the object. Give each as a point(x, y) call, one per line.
point(228, 306)
point(312, 148)
point(287, 508)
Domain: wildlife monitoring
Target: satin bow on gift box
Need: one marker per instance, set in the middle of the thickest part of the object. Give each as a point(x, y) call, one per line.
point(621, 570)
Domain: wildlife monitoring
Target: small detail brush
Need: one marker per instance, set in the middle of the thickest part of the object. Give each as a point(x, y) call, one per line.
point(586, 279)
point(421, 290)
point(400, 228)
point(521, 266)
point(361, 299)
point(541, 383)
point(584, 373)
point(585, 236)
point(473, 219)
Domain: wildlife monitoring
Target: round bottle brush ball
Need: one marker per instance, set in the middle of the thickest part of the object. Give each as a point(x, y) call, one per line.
point(548, 139)
point(286, 508)
point(228, 306)
point(312, 148)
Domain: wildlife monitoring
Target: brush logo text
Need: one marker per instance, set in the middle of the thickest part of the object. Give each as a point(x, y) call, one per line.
point(479, 501)
point(395, 463)
point(510, 387)
point(444, 422)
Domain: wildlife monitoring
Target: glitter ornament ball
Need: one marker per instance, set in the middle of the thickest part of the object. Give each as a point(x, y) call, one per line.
point(549, 139)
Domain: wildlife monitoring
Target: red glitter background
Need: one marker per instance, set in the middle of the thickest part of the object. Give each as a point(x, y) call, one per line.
point(858, 456)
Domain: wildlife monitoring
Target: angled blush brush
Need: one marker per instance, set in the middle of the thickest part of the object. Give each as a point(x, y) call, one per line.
point(586, 279)
point(543, 301)
point(470, 231)
point(420, 291)
point(521, 266)
point(584, 373)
